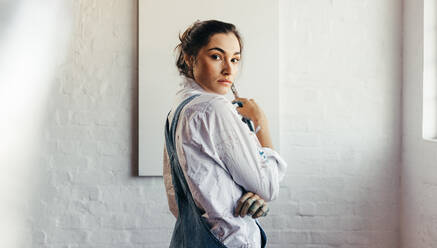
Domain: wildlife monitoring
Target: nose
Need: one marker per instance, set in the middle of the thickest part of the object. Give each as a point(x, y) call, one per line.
point(228, 68)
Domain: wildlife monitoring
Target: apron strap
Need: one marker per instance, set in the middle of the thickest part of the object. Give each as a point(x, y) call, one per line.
point(182, 190)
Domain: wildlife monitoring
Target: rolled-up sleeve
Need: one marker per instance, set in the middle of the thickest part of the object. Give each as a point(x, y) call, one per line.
point(220, 132)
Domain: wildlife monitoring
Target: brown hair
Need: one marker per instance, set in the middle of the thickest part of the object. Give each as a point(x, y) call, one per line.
point(198, 35)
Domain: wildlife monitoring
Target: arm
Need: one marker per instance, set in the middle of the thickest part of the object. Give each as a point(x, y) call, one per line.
point(255, 168)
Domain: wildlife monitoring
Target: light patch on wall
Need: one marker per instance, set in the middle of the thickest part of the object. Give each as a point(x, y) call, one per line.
point(33, 37)
point(430, 71)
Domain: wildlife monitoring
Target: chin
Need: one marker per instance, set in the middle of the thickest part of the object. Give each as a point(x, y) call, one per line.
point(223, 91)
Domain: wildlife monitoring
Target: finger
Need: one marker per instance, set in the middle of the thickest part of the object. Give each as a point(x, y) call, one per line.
point(266, 212)
point(255, 206)
point(241, 202)
point(247, 205)
point(260, 211)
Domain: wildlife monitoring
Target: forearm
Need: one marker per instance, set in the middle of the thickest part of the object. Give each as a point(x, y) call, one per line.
point(263, 134)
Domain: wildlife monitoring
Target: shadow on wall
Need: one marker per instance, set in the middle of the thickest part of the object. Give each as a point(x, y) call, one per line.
point(33, 37)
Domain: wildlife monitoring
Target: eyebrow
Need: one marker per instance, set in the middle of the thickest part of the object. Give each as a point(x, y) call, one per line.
point(221, 50)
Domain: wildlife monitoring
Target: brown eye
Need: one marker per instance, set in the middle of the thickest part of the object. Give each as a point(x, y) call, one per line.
point(235, 60)
point(215, 56)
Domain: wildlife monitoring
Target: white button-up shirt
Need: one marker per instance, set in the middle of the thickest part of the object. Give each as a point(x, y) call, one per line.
point(221, 158)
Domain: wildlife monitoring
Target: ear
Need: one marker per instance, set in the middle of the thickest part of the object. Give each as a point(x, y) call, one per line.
point(188, 60)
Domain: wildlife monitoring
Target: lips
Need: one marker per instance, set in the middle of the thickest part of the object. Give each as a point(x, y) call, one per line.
point(224, 81)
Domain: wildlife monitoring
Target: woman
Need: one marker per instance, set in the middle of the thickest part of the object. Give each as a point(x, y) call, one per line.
point(217, 165)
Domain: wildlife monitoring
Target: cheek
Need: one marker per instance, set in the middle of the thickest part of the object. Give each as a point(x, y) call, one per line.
point(213, 68)
point(207, 69)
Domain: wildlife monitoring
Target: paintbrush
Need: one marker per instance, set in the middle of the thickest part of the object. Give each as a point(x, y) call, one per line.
point(240, 104)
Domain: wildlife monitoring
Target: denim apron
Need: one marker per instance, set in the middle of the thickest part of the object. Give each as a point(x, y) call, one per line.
point(190, 230)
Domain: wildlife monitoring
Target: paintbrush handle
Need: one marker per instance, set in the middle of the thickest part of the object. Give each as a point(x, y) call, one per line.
point(249, 123)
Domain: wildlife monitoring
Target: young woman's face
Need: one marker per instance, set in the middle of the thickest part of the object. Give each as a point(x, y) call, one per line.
point(217, 63)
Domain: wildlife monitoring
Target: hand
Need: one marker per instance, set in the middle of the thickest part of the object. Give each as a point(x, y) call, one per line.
point(251, 204)
point(251, 110)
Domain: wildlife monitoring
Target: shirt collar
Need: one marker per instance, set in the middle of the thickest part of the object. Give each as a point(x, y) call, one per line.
point(191, 85)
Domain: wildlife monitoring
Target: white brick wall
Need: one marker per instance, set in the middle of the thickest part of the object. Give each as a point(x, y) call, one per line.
point(419, 173)
point(340, 107)
point(340, 133)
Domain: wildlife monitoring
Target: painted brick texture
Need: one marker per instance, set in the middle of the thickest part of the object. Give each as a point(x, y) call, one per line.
point(340, 72)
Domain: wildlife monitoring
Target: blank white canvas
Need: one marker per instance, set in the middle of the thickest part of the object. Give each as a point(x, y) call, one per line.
point(160, 23)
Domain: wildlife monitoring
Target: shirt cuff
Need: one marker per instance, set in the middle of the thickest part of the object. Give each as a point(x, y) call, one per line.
point(268, 153)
